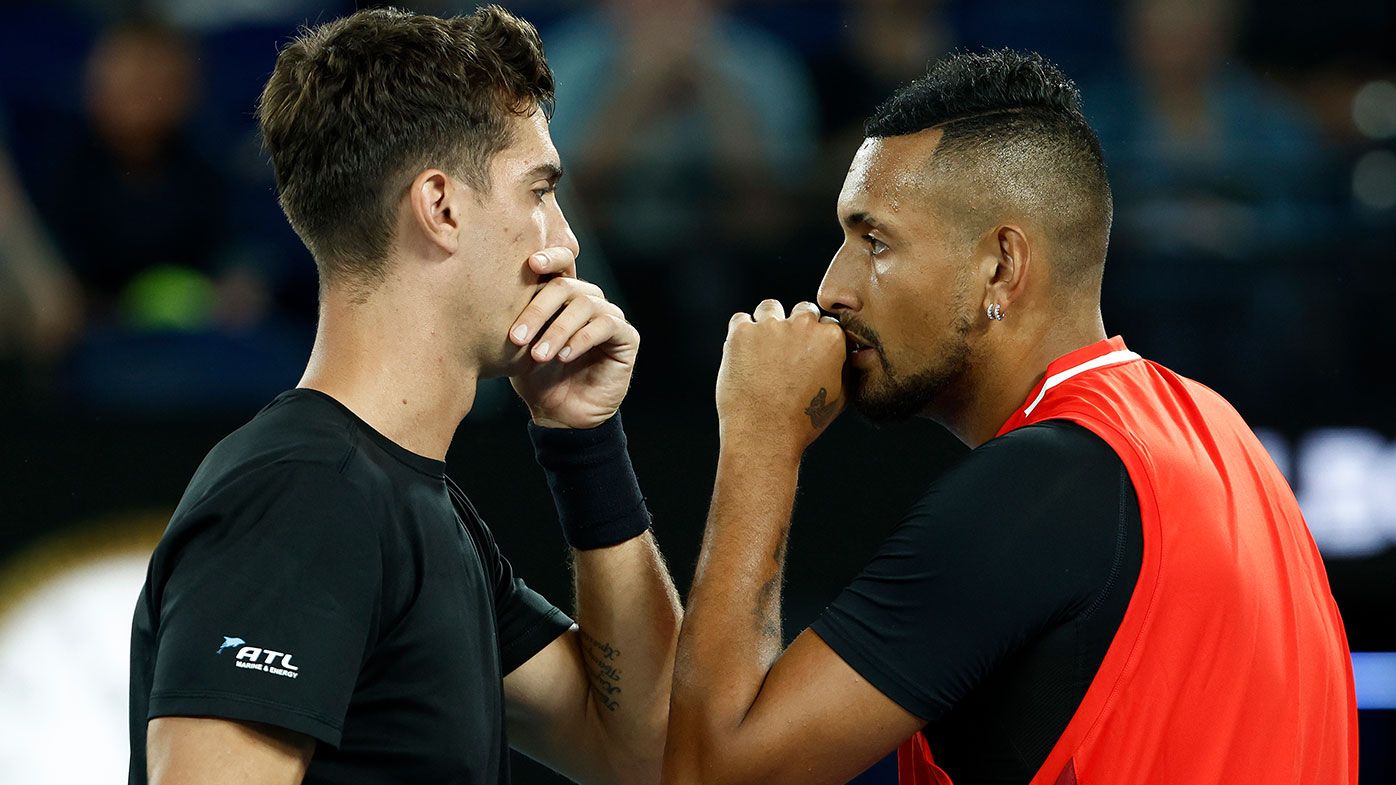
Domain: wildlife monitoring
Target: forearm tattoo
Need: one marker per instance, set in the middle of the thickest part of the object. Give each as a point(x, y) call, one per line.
point(766, 613)
point(602, 659)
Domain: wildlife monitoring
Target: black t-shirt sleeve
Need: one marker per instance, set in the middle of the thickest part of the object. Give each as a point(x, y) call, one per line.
point(1015, 539)
point(269, 602)
point(525, 620)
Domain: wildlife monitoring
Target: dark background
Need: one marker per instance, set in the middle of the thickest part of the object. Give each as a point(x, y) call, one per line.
point(152, 297)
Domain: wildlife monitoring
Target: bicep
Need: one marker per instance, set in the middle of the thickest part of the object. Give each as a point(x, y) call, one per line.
point(550, 713)
point(816, 720)
point(212, 752)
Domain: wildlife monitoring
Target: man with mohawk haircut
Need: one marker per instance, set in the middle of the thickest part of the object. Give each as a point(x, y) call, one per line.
point(1114, 586)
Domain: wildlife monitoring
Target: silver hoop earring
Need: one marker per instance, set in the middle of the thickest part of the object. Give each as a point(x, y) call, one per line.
point(995, 312)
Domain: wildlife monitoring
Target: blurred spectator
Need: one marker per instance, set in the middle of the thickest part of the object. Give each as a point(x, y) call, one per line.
point(1218, 182)
point(1211, 157)
point(689, 132)
point(882, 45)
point(179, 317)
point(39, 307)
point(134, 207)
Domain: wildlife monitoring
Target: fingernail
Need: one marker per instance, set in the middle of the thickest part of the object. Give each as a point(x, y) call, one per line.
point(540, 258)
point(521, 332)
point(565, 353)
point(542, 349)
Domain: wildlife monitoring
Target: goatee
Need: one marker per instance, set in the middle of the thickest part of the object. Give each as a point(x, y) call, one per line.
point(896, 397)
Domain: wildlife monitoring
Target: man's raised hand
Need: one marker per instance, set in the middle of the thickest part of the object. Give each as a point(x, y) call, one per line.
point(581, 348)
point(781, 380)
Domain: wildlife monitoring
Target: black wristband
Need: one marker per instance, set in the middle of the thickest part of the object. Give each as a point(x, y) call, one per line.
point(594, 487)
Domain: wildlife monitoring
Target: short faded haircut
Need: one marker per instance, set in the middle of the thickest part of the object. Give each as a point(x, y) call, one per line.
point(357, 107)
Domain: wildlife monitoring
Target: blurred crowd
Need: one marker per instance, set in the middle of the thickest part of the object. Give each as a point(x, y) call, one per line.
point(145, 267)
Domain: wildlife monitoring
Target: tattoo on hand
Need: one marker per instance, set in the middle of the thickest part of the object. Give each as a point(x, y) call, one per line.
point(601, 660)
point(821, 411)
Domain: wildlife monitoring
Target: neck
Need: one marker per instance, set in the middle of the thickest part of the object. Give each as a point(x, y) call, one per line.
point(390, 362)
point(1010, 366)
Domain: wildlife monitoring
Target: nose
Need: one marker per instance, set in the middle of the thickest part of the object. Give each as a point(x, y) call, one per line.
point(560, 233)
point(836, 292)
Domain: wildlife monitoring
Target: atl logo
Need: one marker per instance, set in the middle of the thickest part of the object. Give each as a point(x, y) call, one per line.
point(277, 663)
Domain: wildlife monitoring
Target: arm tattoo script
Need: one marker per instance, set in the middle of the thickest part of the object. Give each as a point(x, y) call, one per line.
point(601, 660)
point(821, 411)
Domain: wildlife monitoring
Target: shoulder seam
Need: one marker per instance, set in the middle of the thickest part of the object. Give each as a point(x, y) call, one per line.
point(349, 449)
point(1118, 558)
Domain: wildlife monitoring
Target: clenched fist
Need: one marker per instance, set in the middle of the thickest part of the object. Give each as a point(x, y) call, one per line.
point(781, 381)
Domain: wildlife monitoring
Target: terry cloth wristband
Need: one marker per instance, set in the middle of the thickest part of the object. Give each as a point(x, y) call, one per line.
point(594, 487)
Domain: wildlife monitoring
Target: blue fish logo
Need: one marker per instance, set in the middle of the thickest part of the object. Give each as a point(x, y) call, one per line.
point(229, 643)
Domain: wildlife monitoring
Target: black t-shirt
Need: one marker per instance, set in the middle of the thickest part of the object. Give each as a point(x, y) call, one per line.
point(318, 577)
point(989, 609)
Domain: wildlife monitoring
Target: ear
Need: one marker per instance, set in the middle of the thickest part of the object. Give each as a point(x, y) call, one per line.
point(434, 211)
point(1007, 258)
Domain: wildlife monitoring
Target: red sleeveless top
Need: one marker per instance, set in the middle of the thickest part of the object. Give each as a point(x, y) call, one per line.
point(1231, 664)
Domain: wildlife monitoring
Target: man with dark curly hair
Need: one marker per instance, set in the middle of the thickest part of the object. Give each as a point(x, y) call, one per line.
point(326, 605)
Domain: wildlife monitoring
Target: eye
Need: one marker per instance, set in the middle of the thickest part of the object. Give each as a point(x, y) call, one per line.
point(875, 246)
point(544, 191)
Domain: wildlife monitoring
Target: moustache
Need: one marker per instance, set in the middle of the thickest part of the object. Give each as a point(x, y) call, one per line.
point(860, 334)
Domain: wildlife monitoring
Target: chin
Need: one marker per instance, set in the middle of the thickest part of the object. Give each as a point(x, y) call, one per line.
point(880, 402)
point(888, 399)
point(887, 410)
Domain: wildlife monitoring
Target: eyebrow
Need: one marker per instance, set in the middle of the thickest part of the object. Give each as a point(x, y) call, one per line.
point(552, 172)
point(859, 219)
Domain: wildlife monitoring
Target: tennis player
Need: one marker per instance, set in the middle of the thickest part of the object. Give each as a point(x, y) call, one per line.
point(326, 605)
point(1114, 586)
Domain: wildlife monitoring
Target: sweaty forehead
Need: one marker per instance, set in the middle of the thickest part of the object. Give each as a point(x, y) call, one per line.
point(889, 177)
